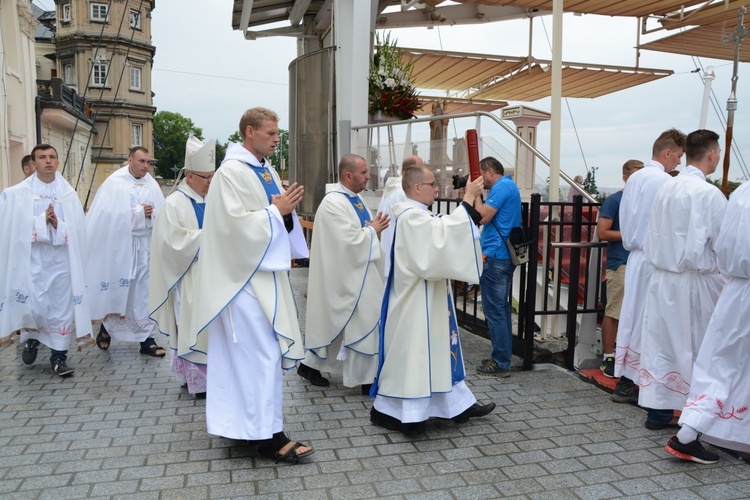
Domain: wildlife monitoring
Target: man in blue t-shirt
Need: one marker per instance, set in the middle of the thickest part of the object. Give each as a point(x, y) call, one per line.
point(608, 229)
point(500, 213)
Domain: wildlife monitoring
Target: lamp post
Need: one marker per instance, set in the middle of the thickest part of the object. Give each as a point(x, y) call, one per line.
point(175, 169)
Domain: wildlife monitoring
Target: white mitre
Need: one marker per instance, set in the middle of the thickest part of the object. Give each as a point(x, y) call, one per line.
point(200, 157)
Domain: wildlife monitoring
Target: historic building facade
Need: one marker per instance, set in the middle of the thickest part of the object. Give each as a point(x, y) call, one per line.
point(103, 50)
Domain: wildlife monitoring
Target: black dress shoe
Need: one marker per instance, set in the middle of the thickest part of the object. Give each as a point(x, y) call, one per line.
point(475, 410)
point(411, 429)
point(312, 375)
point(365, 388)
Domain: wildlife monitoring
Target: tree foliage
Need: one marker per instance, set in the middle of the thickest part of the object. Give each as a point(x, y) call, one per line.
point(731, 185)
point(171, 132)
point(282, 151)
point(589, 184)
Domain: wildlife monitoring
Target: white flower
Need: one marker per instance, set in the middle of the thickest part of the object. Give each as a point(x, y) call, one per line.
point(390, 83)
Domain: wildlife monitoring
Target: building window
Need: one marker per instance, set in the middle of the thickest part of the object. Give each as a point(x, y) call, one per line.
point(99, 12)
point(136, 134)
point(99, 75)
point(65, 13)
point(135, 78)
point(135, 19)
point(68, 75)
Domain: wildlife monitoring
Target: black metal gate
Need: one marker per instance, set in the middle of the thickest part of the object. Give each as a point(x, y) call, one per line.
point(568, 256)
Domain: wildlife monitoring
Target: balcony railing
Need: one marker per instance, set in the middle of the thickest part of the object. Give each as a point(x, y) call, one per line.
point(54, 91)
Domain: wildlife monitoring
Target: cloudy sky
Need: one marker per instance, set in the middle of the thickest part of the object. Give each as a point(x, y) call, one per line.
point(209, 73)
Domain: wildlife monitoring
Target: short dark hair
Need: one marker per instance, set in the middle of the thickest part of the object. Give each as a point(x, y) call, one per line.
point(699, 143)
point(669, 139)
point(412, 175)
point(39, 147)
point(26, 161)
point(490, 162)
point(134, 149)
point(348, 163)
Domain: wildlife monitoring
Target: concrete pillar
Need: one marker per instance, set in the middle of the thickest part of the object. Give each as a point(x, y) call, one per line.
point(353, 24)
point(526, 120)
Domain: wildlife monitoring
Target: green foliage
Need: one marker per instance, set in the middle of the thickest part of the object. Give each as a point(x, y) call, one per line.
point(282, 151)
point(731, 185)
point(589, 184)
point(171, 132)
point(390, 87)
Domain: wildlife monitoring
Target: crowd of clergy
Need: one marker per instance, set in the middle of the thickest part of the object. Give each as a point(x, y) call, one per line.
point(683, 340)
point(208, 267)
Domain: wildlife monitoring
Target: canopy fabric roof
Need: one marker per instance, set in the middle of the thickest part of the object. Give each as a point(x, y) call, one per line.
point(704, 41)
point(633, 8)
point(488, 77)
point(457, 105)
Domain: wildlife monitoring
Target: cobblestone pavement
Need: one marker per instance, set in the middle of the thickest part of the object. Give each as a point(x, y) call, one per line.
point(122, 428)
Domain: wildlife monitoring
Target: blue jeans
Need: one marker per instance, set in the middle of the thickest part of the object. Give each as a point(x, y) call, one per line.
point(659, 417)
point(496, 280)
point(57, 356)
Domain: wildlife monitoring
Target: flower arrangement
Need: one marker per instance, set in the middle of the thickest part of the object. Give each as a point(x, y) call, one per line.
point(390, 88)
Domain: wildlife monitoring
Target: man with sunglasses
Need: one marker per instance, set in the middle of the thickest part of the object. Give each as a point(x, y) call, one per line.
point(175, 248)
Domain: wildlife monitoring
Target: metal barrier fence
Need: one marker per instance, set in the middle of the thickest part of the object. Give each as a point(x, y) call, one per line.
point(565, 250)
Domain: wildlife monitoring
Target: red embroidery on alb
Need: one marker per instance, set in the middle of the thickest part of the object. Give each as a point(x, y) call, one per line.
point(694, 402)
point(733, 413)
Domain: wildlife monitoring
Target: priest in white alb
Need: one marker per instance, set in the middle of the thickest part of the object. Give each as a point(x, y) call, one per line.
point(175, 247)
point(421, 369)
point(718, 406)
point(393, 193)
point(635, 214)
point(345, 285)
point(685, 284)
point(119, 226)
point(243, 313)
point(42, 288)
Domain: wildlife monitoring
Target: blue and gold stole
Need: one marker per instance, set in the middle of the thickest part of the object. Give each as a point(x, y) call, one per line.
point(199, 208)
point(266, 180)
point(362, 211)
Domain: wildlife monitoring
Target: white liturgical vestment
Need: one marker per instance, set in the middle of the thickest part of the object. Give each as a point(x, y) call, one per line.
point(119, 244)
point(243, 314)
point(392, 194)
point(345, 290)
point(635, 214)
point(42, 288)
point(719, 402)
point(174, 250)
point(684, 286)
point(420, 374)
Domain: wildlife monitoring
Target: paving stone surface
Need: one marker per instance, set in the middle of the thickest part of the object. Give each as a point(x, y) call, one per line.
point(122, 428)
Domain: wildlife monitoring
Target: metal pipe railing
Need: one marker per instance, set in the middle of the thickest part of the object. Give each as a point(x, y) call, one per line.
point(501, 123)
